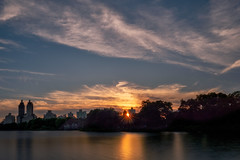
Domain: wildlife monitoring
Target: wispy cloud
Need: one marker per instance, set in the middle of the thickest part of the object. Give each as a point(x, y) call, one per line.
point(25, 71)
point(121, 95)
point(9, 42)
point(156, 33)
point(12, 10)
point(2, 48)
point(7, 89)
point(236, 64)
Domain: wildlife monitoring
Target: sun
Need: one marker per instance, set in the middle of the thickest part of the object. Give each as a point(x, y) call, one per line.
point(128, 115)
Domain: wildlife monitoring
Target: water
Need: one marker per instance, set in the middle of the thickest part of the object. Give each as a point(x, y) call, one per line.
point(75, 145)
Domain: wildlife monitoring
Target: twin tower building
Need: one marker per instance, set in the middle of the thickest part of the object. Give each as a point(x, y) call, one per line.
point(25, 117)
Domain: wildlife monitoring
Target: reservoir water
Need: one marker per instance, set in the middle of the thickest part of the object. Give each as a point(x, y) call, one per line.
point(76, 145)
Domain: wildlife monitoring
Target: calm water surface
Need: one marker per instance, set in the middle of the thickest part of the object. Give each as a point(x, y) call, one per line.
point(75, 145)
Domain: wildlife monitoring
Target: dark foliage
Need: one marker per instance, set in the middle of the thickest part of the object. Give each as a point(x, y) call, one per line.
point(209, 106)
point(210, 112)
point(36, 124)
point(45, 124)
point(105, 120)
point(154, 114)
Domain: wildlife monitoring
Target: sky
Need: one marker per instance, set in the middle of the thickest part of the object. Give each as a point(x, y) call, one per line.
point(86, 54)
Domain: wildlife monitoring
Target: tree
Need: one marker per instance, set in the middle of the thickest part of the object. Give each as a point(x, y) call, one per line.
point(209, 106)
point(154, 114)
point(103, 119)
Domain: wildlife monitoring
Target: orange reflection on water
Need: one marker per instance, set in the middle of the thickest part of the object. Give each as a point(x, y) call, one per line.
point(131, 147)
point(178, 147)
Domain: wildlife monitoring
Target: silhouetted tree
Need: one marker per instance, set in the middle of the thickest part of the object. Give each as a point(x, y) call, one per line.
point(208, 106)
point(103, 119)
point(154, 114)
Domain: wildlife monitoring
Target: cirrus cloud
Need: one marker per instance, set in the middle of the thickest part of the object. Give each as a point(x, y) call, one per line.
point(94, 26)
point(236, 64)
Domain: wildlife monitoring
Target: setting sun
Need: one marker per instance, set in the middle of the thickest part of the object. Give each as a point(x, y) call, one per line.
point(128, 115)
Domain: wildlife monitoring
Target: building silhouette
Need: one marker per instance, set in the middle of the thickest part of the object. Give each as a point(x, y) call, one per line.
point(9, 119)
point(131, 111)
point(49, 115)
point(21, 111)
point(81, 114)
point(22, 117)
point(30, 108)
point(70, 115)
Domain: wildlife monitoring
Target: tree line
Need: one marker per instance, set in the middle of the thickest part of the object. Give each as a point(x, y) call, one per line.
point(205, 113)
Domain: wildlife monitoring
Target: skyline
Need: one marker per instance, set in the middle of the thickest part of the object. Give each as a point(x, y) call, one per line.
point(89, 54)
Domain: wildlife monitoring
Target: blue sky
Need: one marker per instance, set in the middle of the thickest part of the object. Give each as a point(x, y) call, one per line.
point(67, 55)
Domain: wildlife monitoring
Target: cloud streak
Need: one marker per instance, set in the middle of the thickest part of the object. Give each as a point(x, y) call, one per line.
point(236, 64)
point(7, 89)
point(9, 42)
point(93, 26)
point(25, 71)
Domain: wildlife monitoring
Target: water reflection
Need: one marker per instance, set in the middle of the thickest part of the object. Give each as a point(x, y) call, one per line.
point(131, 146)
point(24, 145)
point(178, 146)
point(114, 146)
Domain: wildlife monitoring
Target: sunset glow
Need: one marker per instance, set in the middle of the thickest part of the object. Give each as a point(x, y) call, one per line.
point(119, 79)
point(100, 54)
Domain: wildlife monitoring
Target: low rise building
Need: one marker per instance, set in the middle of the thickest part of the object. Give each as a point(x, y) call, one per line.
point(9, 119)
point(49, 115)
point(73, 124)
point(131, 111)
point(70, 115)
point(81, 114)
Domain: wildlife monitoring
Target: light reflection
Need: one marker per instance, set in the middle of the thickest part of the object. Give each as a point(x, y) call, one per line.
point(131, 147)
point(178, 147)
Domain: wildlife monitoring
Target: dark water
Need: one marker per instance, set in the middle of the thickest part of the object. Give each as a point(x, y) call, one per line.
point(71, 145)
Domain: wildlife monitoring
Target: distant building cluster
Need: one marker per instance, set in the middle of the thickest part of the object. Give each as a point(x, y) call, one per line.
point(29, 115)
point(73, 122)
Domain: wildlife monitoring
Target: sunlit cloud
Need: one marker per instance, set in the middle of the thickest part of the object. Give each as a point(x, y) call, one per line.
point(93, 26)
point(121, 95)
point(8, 106)
point(236, 64)
point(12, 10)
